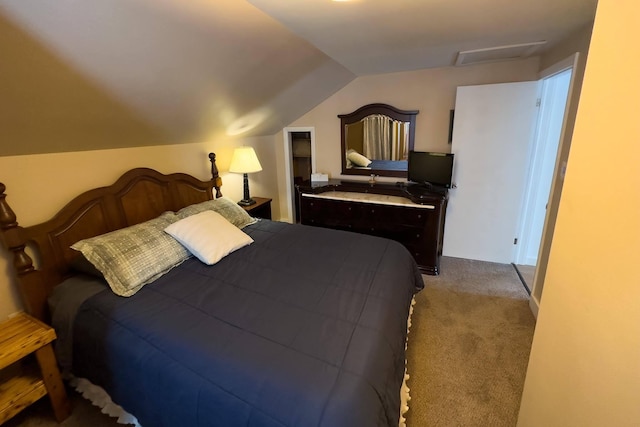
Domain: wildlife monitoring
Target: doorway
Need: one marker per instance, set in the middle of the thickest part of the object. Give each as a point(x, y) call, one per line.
point(299, 148)
point(553, 102)
point(494, 136)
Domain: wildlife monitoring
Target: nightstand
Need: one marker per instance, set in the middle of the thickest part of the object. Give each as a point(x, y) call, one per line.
point(261, 209)
point(21, 336)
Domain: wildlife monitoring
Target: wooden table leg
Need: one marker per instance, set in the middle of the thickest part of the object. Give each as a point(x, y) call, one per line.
point(53, 382)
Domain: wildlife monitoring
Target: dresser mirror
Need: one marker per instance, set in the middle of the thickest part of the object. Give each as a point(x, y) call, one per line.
point(376, 140)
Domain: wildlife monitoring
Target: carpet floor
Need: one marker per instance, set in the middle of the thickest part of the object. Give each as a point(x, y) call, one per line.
point(469, 346)
point(467, 357)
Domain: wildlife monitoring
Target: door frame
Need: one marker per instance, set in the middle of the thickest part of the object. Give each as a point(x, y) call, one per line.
point(288, 163)
point(548, 229)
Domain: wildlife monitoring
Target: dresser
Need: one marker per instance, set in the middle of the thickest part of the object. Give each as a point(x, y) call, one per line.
point(409, 214)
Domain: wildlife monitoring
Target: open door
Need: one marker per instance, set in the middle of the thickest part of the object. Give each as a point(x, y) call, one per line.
point(299, 154)
point(492, 137)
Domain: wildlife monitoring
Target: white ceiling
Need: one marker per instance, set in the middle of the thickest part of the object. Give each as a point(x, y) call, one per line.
point(382, 36)
point(203, 70)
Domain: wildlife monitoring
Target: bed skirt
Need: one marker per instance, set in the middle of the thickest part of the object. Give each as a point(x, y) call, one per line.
point(100, 398)
point(404, 390)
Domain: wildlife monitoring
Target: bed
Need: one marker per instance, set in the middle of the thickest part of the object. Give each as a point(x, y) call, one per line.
point(304, 326)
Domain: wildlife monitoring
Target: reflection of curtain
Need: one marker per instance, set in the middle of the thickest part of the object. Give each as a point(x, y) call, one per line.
point(399, 140)
point(384, 138)
point(376, 135)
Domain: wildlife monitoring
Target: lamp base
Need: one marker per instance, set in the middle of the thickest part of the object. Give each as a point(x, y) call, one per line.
point(249, 202)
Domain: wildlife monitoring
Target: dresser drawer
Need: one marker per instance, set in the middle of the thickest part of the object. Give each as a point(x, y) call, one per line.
point(418, 228)
point(330, 213)
point(395, 215)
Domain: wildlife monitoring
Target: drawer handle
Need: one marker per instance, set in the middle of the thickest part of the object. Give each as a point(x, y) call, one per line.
point(418, 235)
point(311, 204)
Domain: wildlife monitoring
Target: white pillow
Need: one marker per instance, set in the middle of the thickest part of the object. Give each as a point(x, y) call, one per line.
point(358, 159)
point(208, 236)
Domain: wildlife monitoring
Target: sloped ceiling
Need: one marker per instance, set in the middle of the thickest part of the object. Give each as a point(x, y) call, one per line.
point(381, 36)
point(190, 71)
point(81, 75)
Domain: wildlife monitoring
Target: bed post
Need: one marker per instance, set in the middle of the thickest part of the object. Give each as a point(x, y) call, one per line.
point(14, 240)
point(215, 176)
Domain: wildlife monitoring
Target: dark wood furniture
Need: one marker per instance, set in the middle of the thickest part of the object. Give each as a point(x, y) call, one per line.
point(21, 336)
point(416, 221)
point(260, 209)
point(139, 195)
point(388, 168)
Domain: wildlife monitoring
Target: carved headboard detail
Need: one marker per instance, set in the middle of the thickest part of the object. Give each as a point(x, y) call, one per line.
point(137, 196)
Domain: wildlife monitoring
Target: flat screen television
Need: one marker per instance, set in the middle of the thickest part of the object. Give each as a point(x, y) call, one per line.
point(430, 168)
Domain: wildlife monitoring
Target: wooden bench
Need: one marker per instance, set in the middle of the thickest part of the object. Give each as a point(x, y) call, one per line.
point(20, 336)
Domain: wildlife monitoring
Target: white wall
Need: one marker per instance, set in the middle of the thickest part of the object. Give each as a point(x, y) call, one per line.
point(584, 368)
point(432, 91)
point(40, 185)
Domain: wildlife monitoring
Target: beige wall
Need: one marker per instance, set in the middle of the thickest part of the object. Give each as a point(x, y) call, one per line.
point(432, 91)
point(584, 368)
point(576, 42)
point(39, 185)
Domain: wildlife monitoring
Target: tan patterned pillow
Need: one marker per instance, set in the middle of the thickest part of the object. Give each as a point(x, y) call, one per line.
point(131, 257)
point(225, 207)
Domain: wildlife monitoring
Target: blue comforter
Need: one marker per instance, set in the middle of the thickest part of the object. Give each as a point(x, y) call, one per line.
point(304, 327)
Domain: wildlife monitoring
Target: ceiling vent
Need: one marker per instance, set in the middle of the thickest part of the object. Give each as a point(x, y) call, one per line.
point(499, 53)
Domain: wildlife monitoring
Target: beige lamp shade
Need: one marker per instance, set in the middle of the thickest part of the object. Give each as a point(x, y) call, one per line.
point(244, 160)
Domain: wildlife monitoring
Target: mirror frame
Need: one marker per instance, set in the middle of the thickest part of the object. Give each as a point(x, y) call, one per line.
point(362, 112)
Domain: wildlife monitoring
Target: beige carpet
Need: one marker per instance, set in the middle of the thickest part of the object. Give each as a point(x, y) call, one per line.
point(468, 351)
point(469, 346)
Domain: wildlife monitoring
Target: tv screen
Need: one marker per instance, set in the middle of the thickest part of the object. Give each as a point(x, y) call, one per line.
point(430, 168)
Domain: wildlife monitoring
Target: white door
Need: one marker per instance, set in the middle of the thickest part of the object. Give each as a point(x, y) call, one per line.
point(492, 137)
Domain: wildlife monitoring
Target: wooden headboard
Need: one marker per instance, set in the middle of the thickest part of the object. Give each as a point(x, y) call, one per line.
point(137, 196)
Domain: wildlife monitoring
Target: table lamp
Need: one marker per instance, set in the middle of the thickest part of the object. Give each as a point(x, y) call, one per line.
point(245, 161)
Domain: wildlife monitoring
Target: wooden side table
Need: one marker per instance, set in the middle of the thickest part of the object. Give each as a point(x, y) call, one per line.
point(261, 209)
point(19, 337)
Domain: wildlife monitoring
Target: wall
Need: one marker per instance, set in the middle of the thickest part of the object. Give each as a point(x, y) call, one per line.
point(39, 185)
point(432, 91)
point(575, 42)
point(584, 368)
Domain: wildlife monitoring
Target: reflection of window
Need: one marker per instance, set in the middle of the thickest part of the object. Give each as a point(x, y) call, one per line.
point(385, 138)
